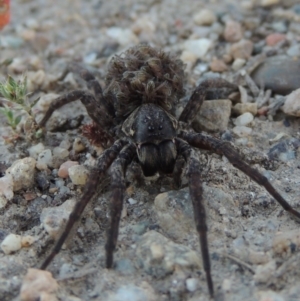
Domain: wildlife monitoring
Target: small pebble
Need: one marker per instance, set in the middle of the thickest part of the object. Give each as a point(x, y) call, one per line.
point(132, 201)
point(38, 285)
point(205, 17)
point(78, 174)
point(6, 187)
point(226, 285)
point(78, 145)
point(123, 36)
point(213, 116)
point(11, 243)
point(22, 172)
point(192, 284)
point(197, 47)
point(266, 3)
point(63, 171)
point(27, 241)
point(218, 65)
point(53, 219)
point(244, 119)
point(169, 255)
point(3, 202)
point(238, 63)
point(274, 38)
point(242, 49)
point(59, 156)
point(242, 131)
point(279, 74)
point(35, 150)
point(241, 108)
point(233, 31)
point(292, 104)
point(44, 160)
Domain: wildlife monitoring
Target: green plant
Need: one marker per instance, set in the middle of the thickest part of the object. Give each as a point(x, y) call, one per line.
point(15, 102)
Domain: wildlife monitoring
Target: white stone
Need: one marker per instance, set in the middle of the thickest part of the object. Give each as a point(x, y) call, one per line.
point(11, 243)
point(197, 47)
point(204, 17)
point(78, 174)
point(44, 160)
point(35, 150)
point(238, 64)
point(244, 119)
point(132, 201)
point(60, 152)
point(192, 284)
point(59, 156)
point(292, 104)
point(123, 36)
point(242, 131)
point(6, 188)
point(266, 3)
point(22, 172)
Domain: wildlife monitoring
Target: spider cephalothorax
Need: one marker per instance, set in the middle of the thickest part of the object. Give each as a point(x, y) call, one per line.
point(136, 114)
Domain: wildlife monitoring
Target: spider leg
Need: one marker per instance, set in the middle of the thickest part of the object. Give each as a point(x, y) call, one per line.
point(104, 161)
point(196, 192)
point(118, 189)
point(93, 84)
point(97, 106)
point(212, 88)
point(203, 141)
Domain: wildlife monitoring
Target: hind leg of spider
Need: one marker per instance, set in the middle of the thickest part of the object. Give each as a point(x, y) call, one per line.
point(104, 162)
point(118, 187)
point(203, 141)
point(196, 193)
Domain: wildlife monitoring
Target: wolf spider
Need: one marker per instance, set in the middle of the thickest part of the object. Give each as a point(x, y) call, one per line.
point(135, 119)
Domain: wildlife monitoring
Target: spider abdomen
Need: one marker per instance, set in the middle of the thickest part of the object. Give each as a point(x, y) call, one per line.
point(141, 75)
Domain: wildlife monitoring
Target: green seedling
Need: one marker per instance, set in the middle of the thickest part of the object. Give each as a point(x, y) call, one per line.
point(15, 102)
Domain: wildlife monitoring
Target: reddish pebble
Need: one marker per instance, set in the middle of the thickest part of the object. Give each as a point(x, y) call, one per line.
point(274, 38)
point(218, 65)
point(263, 111)
point(242, 49)
point(63, 171)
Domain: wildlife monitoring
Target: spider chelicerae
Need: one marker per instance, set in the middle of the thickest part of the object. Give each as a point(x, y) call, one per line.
point(135, 120)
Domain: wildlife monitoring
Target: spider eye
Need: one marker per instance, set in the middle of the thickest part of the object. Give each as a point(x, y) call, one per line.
point(160, 127)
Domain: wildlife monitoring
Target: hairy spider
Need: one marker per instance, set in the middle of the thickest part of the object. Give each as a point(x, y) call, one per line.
point(135, 115)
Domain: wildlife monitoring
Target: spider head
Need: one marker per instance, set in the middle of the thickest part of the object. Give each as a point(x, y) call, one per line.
point(150, 124)
point(153, 130)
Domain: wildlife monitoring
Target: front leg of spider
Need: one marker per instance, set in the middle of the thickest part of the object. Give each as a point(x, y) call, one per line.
point(196, 193)
point(95, 177)
point(203, 141)
point(118, 187)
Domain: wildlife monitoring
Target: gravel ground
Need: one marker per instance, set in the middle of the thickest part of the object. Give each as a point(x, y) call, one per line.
point(254, 244)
